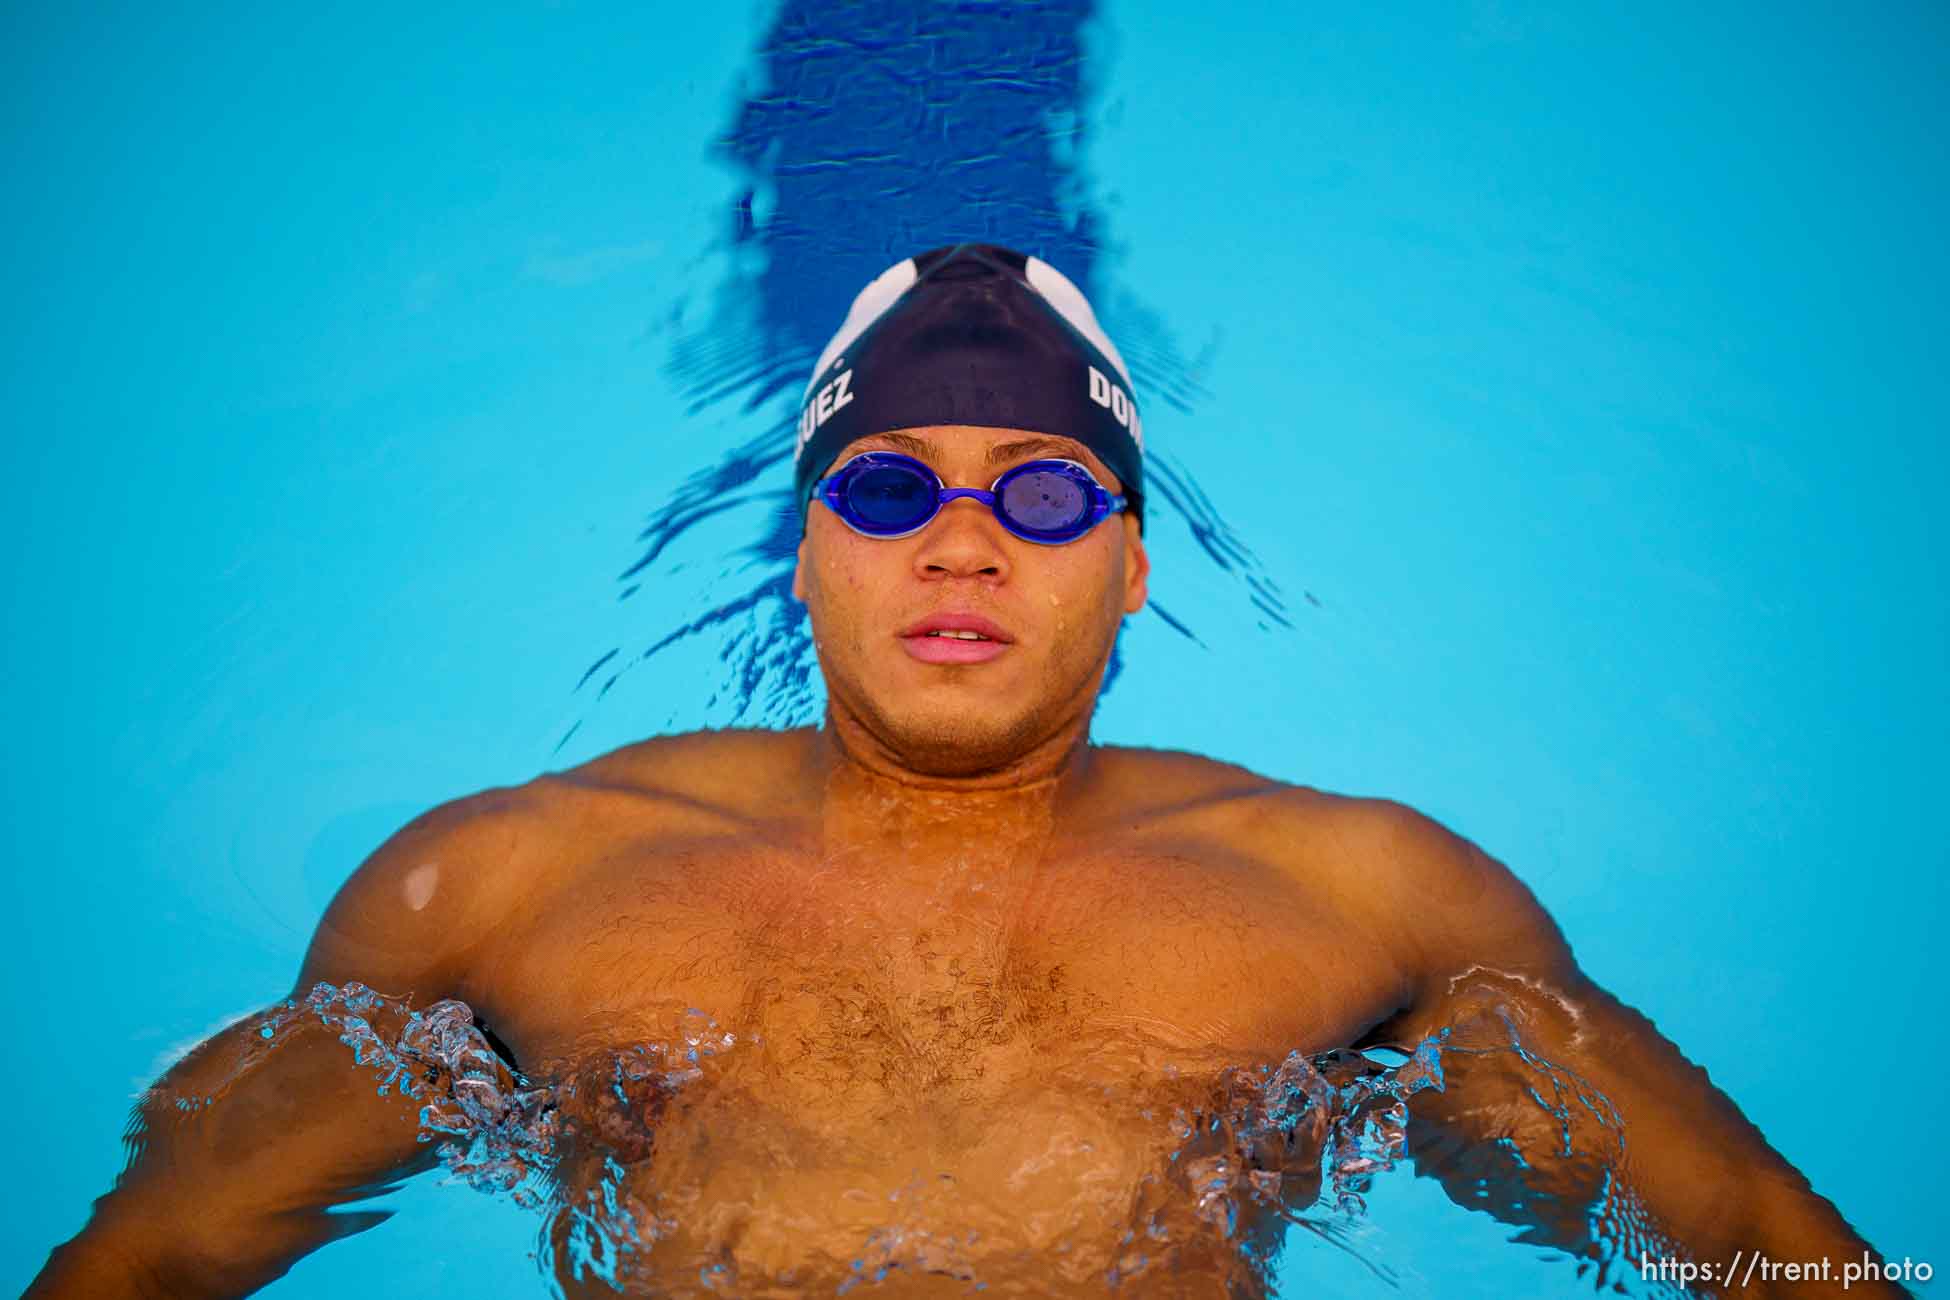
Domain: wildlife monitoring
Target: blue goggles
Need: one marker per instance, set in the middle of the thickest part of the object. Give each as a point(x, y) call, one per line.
point(885, 494)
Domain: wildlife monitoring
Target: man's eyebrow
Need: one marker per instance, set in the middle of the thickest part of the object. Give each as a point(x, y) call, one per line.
point(923, 450)
point(1062, 448)
point(906, 444)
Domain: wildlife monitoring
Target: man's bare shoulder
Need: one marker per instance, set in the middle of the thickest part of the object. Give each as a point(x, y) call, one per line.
point(1391, 851)
point(404, 921)
point(1169, 784)
point(738, 772)
point(1435, 894)
point(1392, 847)
point(414, 913)
point(521, 834)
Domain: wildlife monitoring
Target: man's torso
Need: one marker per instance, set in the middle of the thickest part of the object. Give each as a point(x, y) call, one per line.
point(942, 1060)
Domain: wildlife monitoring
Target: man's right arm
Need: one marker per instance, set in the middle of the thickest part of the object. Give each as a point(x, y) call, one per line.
point(241, 1150)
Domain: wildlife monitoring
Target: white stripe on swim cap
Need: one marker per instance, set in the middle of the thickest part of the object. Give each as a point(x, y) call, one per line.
point(867, 307)
point(1069, 300)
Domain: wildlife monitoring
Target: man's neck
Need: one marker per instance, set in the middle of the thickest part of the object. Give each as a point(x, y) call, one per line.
point(869, 796)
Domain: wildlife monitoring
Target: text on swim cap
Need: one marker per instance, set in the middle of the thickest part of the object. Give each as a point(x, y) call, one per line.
point(1105, 392)
point(831, 396)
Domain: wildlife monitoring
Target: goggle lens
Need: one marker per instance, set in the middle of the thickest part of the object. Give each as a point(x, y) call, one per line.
point(1044, 500)
point(890, 497)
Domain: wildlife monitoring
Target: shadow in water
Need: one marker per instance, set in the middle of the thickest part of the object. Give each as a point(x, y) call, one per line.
point(879, 129)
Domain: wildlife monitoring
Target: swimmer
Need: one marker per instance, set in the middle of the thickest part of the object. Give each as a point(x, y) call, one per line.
point(968, 960)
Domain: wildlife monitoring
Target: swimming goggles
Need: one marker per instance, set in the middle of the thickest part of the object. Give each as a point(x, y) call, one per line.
point(887, 495)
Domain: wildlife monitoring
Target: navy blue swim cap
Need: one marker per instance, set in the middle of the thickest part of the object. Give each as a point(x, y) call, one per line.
point(971, 334)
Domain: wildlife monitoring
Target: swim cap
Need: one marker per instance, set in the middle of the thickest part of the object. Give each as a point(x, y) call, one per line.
point(971, 334)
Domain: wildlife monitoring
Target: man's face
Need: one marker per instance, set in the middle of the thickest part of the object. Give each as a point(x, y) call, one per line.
point(947, 706)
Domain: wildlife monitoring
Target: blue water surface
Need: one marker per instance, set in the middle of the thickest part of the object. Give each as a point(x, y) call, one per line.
point(1569, 380)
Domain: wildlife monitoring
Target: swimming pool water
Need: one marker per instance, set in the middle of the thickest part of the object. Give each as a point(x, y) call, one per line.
point(1570, 378)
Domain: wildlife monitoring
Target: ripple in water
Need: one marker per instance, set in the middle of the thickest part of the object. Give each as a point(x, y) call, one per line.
point(1245, 1156)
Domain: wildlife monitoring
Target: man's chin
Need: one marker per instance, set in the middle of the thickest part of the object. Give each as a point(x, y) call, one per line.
point(957, 745)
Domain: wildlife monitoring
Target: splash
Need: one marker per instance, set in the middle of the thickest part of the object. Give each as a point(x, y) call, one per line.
point(1254, 1153)
point(492, 1132)
point(1296, 1144)
point(1558, 1173)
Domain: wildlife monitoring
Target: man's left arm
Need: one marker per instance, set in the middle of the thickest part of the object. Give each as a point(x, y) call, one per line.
point(1484, 960)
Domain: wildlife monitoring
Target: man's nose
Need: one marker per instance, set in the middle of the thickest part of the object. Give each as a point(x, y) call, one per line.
point(963, 541)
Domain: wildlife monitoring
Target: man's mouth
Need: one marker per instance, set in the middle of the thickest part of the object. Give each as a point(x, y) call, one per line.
point(952, 638)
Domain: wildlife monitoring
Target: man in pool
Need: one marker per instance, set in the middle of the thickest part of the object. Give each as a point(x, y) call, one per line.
point(979, 986)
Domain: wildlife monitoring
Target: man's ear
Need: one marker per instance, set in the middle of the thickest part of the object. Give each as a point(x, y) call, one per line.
point(799, 574)
point(1137, 567)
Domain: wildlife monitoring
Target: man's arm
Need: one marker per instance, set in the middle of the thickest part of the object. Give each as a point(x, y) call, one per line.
point(1486, 961)
point(241, 1151)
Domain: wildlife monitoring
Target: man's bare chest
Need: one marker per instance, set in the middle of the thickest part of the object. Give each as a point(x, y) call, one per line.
point(849, 973)
point(789, 1058)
